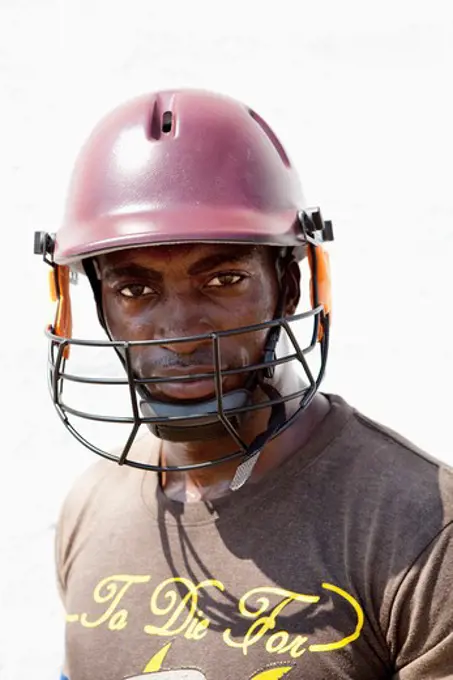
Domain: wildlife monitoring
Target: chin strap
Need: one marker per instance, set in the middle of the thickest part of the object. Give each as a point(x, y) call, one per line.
point(207, 426)
point(276, 420)
point(278, 412)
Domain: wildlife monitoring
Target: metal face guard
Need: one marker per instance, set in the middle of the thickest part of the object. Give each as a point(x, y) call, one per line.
point(197, 420)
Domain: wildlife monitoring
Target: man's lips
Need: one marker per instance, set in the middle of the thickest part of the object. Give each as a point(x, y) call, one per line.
point(196, 388)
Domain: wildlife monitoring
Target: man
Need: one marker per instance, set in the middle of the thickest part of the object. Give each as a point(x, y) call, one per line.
point(260, 528)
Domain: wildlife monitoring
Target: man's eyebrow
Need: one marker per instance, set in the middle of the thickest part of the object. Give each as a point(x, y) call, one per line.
point(204, 264)
point(122, 271)
point(212, 261)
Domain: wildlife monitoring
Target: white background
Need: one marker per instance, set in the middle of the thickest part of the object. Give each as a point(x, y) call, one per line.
point(360, 94)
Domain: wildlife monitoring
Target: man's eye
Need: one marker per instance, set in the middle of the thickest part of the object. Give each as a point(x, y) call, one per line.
point(225, 280)
point(135, 290)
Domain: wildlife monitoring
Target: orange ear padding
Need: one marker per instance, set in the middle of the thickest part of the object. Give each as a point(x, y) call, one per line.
point(59, 293)
point(323, 280)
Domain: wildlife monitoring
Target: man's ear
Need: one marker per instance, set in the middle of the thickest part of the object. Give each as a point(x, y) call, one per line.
point(292, 283)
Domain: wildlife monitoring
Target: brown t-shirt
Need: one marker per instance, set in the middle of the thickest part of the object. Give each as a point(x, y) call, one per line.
point(339, 565)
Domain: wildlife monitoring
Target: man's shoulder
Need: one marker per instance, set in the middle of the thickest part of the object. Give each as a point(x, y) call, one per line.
point(97, 474)
point(388, 496)
point(391, 444)
point(100, 484)
point(82, 502)
point(398, 465)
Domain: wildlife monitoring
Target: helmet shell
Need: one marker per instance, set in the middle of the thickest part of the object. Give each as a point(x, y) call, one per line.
point(179, 166)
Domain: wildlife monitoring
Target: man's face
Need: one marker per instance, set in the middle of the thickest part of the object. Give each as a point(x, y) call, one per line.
point(165, 292)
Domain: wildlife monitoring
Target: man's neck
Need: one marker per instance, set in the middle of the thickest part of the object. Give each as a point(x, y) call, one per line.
point(214, 481)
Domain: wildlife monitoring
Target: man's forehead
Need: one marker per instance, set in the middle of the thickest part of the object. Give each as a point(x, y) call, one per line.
point(190, 252)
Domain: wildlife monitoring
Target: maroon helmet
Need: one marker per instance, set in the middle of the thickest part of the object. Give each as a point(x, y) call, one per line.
point(185, 166)
point(180, 166)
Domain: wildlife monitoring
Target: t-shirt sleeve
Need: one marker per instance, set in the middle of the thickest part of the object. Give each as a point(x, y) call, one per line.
point(63, 533)
point(59, 552)
point(420, 634)
point(71, 518)
point(68, 525)
point(58, 558)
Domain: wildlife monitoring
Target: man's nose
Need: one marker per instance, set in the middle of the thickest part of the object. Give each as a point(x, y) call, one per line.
point(184, 319)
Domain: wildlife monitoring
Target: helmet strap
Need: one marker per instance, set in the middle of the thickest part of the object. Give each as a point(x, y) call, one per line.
point(91, 271)
point(276, 420)
point(282, 260)
point(278, 412)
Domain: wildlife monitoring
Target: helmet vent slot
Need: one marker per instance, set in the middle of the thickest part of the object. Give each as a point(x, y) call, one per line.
point(167, 121)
